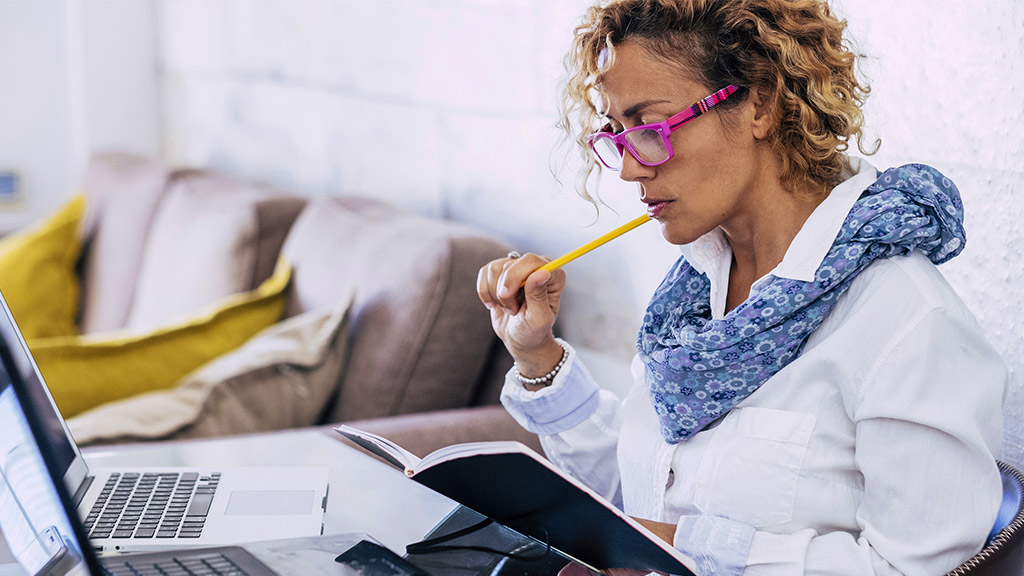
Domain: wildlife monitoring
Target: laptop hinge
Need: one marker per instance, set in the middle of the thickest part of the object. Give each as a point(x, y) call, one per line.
point(82, 489)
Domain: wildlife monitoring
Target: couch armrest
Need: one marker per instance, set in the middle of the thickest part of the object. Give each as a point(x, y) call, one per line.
point(423, 432)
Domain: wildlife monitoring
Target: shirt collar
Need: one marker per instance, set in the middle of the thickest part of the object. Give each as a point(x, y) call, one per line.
point(815, 238)
point(705, 252)
point(812, 242)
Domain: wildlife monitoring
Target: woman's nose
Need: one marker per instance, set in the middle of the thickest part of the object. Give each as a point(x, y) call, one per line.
point(633, 170)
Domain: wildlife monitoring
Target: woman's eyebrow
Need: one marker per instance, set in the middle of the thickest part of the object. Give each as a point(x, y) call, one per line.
point(636, 108)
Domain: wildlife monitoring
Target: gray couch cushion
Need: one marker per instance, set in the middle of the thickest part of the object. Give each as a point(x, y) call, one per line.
point(419, 336)
point(212, 237)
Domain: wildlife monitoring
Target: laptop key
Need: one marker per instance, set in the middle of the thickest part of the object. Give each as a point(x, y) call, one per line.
point(200, 505)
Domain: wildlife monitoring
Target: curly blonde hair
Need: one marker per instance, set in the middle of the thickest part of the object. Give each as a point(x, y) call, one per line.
point(792, 49)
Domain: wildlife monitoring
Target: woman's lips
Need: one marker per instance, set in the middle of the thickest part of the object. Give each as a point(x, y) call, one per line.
point(656, 208)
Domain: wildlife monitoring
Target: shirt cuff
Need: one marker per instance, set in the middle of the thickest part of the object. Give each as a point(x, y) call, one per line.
point(570, 399)
point(717, 545)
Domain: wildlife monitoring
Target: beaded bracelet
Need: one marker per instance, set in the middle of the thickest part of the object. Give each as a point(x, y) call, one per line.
point(547, 378)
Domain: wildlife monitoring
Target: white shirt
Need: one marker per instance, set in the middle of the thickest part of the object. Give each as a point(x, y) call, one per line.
point(871, 453)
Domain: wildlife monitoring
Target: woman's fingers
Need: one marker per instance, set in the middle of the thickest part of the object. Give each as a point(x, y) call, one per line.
point(523, 301)
point(487, 282)
point(490, 282)
point(514, 273)
point(501, 282)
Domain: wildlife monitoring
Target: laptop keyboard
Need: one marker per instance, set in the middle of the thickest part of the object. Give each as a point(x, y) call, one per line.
point(152, 505)
point(214, 564)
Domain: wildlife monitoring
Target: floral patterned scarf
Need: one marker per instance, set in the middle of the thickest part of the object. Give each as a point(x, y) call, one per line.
point(698, 368)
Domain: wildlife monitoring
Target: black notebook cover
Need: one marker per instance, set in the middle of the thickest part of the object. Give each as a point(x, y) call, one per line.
point(523, 494)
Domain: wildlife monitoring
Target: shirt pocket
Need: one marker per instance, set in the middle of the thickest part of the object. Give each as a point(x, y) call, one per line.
point(752, 466)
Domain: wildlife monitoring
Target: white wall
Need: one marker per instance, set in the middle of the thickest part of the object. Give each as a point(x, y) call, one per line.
point(41, 135)
point(77, 76)
point(119, 61)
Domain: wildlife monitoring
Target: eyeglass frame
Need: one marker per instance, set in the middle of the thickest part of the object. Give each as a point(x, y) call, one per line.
point(664, 129)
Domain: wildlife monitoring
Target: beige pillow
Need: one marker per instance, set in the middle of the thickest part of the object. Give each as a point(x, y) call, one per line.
point(283, 377)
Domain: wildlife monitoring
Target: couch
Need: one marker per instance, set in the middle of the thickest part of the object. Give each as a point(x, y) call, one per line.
point(379, 324)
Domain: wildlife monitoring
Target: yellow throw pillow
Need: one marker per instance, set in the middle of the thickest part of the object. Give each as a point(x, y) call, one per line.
point(85, 371)
point(37, 273)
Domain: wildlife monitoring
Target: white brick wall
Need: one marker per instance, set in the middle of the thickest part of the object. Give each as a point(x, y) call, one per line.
point(448, 107)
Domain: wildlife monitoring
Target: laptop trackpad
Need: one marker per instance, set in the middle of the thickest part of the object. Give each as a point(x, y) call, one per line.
point(270, 503)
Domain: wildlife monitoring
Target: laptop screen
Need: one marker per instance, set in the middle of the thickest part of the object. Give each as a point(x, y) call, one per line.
point(65, 453)
point(35, 528)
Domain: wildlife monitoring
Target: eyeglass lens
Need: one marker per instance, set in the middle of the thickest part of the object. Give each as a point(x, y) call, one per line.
point(648, 147)
point(609, 153)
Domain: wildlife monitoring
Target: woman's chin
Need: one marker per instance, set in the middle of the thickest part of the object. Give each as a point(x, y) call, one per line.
point(676, 235)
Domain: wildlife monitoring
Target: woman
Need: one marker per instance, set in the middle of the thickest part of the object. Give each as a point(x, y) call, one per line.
point(810, 396)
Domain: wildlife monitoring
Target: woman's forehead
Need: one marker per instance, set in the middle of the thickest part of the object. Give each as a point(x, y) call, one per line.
point(631, 59)
point(636, 75)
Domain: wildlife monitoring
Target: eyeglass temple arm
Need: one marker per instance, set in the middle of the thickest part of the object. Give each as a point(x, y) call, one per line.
point(702, 106)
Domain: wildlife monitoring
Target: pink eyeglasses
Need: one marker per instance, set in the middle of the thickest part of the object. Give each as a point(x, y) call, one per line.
point(649, 143)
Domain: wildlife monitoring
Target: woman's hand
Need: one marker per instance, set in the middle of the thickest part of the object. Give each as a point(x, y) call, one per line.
point(666, 532)
point(524, 317)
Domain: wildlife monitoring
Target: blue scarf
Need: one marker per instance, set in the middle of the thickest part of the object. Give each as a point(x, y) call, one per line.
point(698, 368)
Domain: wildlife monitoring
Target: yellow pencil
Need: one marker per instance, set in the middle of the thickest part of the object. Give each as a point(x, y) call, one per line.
point(562, 260)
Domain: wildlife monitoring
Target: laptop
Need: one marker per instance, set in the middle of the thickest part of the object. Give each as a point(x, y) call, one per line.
point(41, 533)
point(157, 508)
point(39, 524)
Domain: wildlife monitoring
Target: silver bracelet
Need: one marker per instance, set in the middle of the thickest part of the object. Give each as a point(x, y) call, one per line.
point(547, 378)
